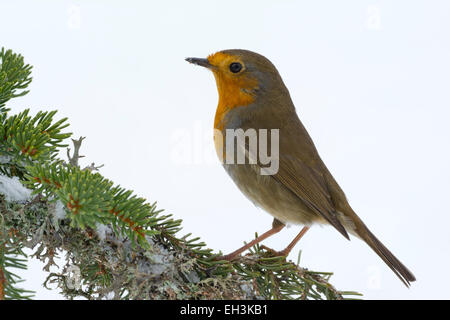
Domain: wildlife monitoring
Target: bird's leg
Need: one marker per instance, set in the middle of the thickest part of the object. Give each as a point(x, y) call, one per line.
point(285, 252)
point(275, 228)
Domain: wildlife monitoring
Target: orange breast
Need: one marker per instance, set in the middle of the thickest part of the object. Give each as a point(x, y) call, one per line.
point(232, 93)
point(235, 90)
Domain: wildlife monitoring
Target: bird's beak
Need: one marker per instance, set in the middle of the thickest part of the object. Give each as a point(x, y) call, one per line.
point(200, 61)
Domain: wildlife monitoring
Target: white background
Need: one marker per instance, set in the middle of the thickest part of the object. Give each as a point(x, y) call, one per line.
point(370, 80)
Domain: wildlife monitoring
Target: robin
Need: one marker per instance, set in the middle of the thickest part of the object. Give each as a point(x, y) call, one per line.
point(302, 191)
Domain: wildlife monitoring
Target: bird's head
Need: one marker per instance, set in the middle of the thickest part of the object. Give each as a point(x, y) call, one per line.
point(241, 76)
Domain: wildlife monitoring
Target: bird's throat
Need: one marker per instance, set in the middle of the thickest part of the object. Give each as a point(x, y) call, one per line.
point(233, 93)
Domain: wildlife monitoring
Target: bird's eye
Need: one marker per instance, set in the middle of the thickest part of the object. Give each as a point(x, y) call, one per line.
point(235, 67)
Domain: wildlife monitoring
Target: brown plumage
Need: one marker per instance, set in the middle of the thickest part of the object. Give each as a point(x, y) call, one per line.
point(252, 95)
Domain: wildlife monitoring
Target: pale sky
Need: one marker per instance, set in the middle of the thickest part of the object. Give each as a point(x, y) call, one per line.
point(370, 81)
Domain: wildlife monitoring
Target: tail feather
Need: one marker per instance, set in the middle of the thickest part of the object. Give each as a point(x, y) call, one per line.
point(399, 268)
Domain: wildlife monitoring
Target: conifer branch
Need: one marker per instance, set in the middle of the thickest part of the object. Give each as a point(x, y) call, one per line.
point(15, 76)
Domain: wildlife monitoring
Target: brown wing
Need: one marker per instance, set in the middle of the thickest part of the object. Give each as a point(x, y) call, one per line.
point(309, 185)
point(301, 170)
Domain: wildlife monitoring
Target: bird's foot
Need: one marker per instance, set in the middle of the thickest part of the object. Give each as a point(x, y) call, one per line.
point(275, 253)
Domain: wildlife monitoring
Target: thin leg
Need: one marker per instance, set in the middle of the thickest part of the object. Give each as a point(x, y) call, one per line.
point(265, 235)
point(287, 250)
point(291, 245)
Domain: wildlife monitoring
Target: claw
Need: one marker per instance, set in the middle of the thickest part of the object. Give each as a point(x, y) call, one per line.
point(274, 252)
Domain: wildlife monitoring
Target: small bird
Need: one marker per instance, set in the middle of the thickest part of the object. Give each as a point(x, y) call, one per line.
point(302, 191)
